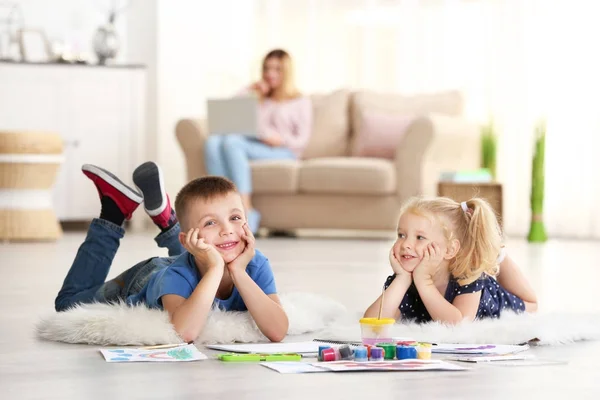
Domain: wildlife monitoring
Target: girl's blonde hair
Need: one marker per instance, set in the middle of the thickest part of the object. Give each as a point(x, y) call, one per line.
point(476, 229)
point(288, 88)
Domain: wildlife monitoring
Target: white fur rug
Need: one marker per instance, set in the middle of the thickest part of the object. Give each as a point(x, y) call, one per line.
point(323, 318)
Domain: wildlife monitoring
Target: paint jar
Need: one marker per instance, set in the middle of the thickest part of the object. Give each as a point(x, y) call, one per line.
point(389, 350)
point(377, 354)
point(321, 348)
point(361, 354)
point(345, 352)
point(374, 330)
point(424, 351)
point(329, 355)
point(406, 352)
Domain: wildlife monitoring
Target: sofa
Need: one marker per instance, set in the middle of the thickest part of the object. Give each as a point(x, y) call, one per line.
point(337, 186)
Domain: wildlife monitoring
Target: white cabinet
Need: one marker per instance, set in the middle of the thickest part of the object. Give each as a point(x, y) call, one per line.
point(99, 112)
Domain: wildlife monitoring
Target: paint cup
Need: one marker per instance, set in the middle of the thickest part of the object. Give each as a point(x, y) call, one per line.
point(374, 330)
point(406, 352)
point(321, 348)
point(389, 350)
point(361, 354)
point(424, 351)
point(345, 352)
point(328, 355)
point(377, 354)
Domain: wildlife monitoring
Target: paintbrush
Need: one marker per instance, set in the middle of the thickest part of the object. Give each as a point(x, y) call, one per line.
point(381, 302)
point(162, 346)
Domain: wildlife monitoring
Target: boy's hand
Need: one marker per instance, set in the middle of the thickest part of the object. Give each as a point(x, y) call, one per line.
point(204, 254)
point(397, 267)
point(429, 265)
point(241, 262)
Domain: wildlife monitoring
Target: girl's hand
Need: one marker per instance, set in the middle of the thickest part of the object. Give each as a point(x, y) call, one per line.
point(397, 267)
point(430, 262)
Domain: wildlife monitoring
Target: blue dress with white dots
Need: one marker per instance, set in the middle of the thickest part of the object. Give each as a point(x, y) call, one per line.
point(494, 299)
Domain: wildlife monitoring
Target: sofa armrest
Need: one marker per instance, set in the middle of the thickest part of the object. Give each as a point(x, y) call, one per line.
point(434, 144)
point(191, 135)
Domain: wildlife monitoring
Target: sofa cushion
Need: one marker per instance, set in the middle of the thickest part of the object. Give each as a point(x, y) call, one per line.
point(448, 103)
point(347, 175)
point(275, 176)
point(380, 134)
point(331, 126)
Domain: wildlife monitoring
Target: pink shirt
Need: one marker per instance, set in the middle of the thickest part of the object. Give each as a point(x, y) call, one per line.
point(290, 119)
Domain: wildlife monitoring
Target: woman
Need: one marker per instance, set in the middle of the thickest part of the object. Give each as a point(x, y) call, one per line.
point(285, 123)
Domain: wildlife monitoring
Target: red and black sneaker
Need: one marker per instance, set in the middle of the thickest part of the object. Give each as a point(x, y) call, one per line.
point(108, 185)
point(148, 178)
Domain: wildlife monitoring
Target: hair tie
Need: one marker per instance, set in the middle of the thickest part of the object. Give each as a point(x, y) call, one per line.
point(464, 206)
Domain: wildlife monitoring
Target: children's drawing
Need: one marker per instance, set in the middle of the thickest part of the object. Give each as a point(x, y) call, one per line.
point(187, 352)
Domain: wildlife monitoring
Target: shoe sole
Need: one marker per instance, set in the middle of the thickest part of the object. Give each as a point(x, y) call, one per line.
point(113, 181)
point(158, 202)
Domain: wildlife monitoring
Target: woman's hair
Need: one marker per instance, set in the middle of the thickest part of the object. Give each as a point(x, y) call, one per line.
point(476, 228)
point(288, 88)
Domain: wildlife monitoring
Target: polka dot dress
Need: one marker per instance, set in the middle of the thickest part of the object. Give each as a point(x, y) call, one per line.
point(494, 299)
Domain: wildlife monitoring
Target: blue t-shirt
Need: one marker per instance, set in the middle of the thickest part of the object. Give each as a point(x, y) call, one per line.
point(182, 276)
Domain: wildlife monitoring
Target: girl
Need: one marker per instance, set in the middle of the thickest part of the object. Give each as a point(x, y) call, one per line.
point(285, 123)
point(445, 261)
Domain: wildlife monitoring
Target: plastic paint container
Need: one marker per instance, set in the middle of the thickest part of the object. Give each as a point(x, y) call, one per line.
point(424, 351)
point(376, 354)
point(361, 354)
point(321, 348)
point(374, 330)
point(406, 352)
point(345, 352)
point(389, 350)
point(328, 355)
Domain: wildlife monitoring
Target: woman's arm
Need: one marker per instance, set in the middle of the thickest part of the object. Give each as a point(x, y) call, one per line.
point(297, 135)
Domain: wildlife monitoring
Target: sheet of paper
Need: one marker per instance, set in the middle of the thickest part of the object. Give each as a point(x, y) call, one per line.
point(292, 367)
point(305, 348)
point(184, 353)
point(391, 365)
point(444, 348)
point(482, 358)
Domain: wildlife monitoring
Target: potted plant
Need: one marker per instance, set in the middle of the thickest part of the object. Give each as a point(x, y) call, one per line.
point(489, 141)
point(537, 231)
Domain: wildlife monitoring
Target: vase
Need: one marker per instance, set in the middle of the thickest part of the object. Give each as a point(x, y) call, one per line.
point(106, 43)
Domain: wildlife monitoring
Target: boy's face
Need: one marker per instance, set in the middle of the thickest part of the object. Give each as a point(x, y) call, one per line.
point(221, 222)
point(415, 232)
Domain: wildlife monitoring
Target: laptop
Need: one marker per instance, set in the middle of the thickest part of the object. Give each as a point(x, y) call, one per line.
point(233, 115)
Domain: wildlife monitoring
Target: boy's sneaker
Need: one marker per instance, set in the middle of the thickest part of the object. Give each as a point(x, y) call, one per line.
point(148, 178)
point(108, 185)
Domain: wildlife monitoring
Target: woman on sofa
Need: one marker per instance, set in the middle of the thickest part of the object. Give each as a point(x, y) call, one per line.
point(285, 124)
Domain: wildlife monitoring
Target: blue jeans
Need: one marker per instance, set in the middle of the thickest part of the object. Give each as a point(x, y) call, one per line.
point(85, 281)
point(230, 155)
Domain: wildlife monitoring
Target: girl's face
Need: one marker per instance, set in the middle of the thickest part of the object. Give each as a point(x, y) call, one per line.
point(272, 73)
point(415, 232)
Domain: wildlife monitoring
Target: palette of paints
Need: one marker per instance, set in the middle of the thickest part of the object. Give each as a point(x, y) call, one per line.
point(376, 352)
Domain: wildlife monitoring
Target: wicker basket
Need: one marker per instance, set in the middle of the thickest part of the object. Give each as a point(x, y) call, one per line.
point(29, 164)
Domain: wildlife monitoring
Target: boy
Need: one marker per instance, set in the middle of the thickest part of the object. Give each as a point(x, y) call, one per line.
point(213, 261)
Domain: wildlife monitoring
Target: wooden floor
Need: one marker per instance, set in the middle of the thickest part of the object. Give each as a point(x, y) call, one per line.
point(565, 274)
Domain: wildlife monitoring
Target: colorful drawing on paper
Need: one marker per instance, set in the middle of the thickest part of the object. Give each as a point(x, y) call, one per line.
point(187, 352)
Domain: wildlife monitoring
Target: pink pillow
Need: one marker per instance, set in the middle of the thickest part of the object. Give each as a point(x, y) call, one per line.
point(380, 134)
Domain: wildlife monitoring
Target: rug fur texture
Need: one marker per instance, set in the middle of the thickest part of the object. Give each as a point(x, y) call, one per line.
point(322, 318)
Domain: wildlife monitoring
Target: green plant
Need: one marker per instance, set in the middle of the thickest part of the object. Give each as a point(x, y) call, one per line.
point(537, 231)
point(489, 141)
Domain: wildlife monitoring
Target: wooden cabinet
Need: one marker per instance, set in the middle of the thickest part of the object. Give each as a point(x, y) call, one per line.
point(99, 113)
